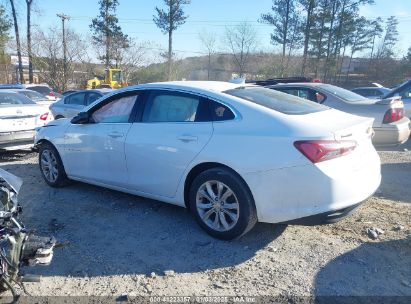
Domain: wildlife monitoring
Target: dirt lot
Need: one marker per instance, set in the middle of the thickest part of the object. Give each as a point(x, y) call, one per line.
point(117, 244)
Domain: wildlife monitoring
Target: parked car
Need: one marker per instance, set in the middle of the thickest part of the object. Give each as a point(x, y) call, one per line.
point(70, 105)
point(233, 154)
point(403, 91)
point(45, 90)
point(371, 92)
point(390, 126)
point(19, 116)
point(35, 96)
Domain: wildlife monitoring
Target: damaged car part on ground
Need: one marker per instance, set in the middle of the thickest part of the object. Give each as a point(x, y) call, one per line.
point(232, 154)
point(18, 247)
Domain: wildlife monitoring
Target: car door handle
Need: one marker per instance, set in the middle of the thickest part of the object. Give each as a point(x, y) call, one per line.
point(187, 138)
point(115, 134)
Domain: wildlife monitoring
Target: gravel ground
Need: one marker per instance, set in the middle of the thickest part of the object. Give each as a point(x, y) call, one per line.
point(116, 244)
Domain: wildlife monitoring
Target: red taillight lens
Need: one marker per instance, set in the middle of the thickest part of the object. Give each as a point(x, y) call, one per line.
point(51, 94)
point(322, 150)
point(393, 115)
point(44, 116)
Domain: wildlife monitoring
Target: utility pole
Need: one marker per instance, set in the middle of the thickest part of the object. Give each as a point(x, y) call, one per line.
point(63, 18)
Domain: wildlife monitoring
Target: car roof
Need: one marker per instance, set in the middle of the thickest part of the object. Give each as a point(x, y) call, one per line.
point(215, 86)
point(296, 84)
point(367, 88)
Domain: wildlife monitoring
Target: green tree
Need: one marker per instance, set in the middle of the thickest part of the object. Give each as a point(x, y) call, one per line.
point(287, 27)
point(308, 6)
point(107, 34)
point(390, 38)
point(5, 26)
point(408, 55)
point(168, 20)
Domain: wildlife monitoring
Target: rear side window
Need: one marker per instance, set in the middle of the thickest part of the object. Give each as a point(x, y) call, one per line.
point(219, 112)
point(75, 99)
point(278, 101)
point(92, 97)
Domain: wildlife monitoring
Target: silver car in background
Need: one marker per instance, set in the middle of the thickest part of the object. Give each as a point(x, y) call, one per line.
point(390, 125)
point(72, 104)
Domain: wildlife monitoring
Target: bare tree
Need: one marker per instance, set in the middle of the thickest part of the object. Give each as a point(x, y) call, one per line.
point(133, 59)
point(241, 41)
point(48, 56)
point(209, 41)
point(18, 46)
point(29, 3)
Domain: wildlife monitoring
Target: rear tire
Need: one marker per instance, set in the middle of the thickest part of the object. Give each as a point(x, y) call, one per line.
point(222, 204)
point(51, 166)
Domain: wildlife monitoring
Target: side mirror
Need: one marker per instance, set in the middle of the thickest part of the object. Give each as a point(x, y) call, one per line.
point(81, 118)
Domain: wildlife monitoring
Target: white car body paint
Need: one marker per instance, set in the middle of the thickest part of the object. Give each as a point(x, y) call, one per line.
point(151, 161)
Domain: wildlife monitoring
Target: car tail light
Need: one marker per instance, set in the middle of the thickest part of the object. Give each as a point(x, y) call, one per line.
point(321, 150)
point(51, 94)
point(392, 115)
point(44, 116)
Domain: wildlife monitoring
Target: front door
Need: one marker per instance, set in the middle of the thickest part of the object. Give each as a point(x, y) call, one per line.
point(169, 136)
point(95, 151)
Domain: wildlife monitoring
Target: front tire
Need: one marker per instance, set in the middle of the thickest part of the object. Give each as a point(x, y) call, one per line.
point(51, 166)
point(222, 204)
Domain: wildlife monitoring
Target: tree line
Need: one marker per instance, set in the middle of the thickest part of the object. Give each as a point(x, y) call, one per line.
point(313, 37)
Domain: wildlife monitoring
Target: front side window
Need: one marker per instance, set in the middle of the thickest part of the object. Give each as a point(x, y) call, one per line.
point(163, 106)
point(116, 111)
point(275, 100)
point(76, 99)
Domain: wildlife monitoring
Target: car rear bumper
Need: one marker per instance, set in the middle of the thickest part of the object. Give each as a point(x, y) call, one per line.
point(329, 217)
point(16, 139)
point(392, 134)
point(324, 189)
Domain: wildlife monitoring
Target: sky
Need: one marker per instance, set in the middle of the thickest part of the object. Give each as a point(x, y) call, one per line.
point(213, 16)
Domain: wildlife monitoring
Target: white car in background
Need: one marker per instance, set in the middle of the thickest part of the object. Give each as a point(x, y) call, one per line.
point(19, 117)
point(232, 154)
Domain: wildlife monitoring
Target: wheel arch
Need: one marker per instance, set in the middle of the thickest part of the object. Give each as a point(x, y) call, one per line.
point(198, 169)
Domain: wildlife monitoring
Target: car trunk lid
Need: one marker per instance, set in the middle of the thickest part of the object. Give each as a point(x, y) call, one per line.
point(20, 117)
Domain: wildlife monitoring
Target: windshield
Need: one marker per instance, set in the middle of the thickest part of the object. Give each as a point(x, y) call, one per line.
point(14, 99)
point(116, 76)
point(278, 101)
point(33, 95)
point(344, 94)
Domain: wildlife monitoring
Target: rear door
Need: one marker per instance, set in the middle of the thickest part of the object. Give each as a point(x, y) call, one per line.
point(168, 135)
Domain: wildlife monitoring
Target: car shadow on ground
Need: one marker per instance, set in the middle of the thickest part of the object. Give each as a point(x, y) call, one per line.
point(105, 232)
point(391, 186)
point(371, 270)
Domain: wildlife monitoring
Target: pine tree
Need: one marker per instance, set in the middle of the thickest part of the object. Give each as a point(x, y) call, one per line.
point(107, 33)
point(168, 20)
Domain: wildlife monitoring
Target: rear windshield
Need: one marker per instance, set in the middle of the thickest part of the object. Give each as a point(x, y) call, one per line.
point(278, 101)
point(43, 90)
point(33, 95)
point(14, 99)
point(344, 94)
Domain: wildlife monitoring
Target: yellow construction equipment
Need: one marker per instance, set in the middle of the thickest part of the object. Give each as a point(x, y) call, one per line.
point(113, 79)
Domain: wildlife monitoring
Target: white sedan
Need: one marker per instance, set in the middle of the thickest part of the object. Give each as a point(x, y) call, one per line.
point(19, 116)
point(232, 154)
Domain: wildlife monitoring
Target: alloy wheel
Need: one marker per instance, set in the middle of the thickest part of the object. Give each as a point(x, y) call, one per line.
point(217, 205)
